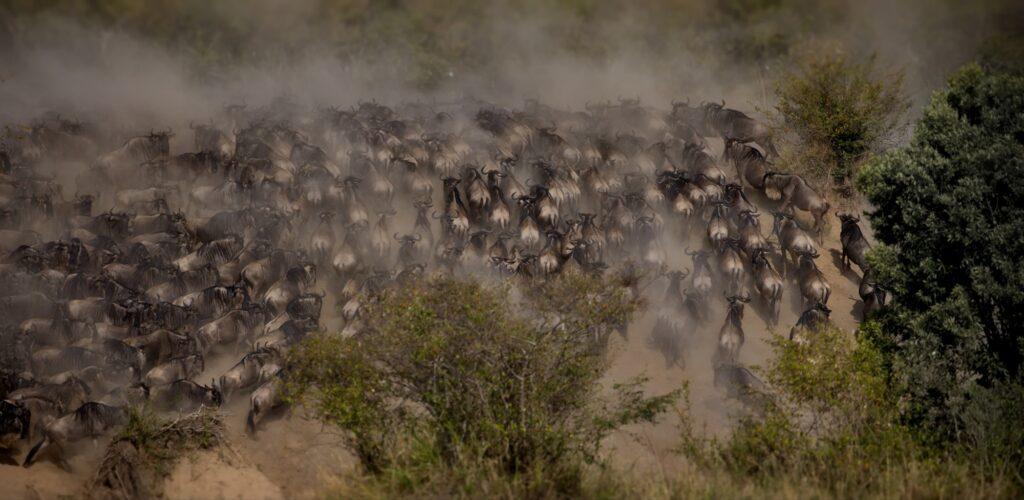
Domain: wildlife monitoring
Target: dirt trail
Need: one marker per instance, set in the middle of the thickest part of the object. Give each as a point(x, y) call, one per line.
point(214, 475)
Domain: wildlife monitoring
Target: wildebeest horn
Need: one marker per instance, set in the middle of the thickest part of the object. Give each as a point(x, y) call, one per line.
point(397, 238)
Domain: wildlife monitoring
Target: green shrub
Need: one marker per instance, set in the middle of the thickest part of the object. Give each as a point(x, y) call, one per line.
point(835, 111)
point(831, 426)
point(454, 385)
point(949, 209)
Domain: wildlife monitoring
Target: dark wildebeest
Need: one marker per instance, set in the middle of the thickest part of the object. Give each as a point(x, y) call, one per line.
point(855, 245)
point(253, 369)
point(740, 383)
point(184, 396)
point(14, 425)
point(794, 192)
point(730, 264)
point(701, 281)
point(89, 420)
point(174, 369)
point(749, 162)
point(793, 240)
point(736, 125)
point(208, 138)
point(813, 286)
point(871, 293)
point(670, 332)
point(263, 400)
point(811, 321)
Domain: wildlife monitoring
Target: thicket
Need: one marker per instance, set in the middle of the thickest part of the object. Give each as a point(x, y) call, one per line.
point(834, 111)
point(948, 211)
point(830, 425)
point(456, 388)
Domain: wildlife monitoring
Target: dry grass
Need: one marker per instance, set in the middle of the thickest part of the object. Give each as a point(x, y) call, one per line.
point(139, 458)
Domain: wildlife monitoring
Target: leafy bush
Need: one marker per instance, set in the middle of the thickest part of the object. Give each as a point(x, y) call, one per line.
point(949, 209)
point(830, 426)
point(836, 111)
point(453, 382)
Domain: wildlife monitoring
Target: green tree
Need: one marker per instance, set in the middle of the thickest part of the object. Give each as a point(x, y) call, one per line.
point(949, 210)
point(835, 111)
point(453, 384)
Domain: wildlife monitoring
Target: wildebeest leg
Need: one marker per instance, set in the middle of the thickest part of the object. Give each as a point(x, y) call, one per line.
point(250, 421)
point(34, 452)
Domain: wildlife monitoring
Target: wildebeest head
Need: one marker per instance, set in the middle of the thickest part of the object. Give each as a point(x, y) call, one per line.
point(161, 142)
point(848, 218)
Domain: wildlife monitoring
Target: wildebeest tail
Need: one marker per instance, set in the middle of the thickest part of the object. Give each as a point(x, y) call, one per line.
point(250, 422)
point(33, 452)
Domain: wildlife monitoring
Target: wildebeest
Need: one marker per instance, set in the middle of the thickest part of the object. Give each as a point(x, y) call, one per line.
point(732, 124)
point(730, 336)
point(793, 240)
point(14, 425)
point(871, 293)
point(794, 192)
point(89, 420)
point(740, 383)
point(264, 399)
point(236, 327)
point(811, 321)
point(253, 369)
point(855, 245)
point(813, 286)
point(749, 162)
point(673, 325)
point(768, 284)
point(174, 369)
point(123, 163)
point(184, 396)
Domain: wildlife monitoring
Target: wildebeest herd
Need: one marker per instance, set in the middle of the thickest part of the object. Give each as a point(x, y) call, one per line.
point(126, 267)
